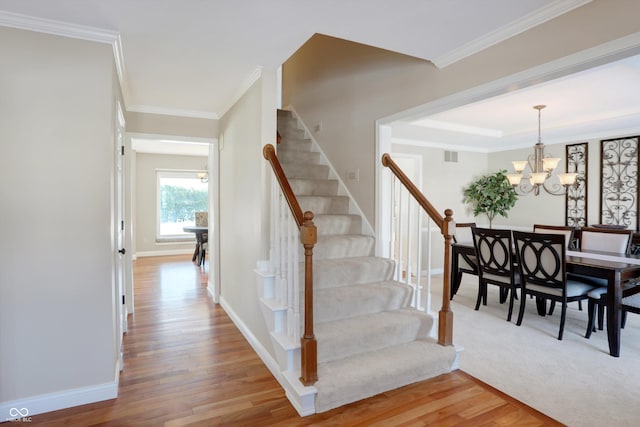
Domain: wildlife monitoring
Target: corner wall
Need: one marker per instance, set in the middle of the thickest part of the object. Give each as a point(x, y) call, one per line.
point(244, 210)
point(57, 300)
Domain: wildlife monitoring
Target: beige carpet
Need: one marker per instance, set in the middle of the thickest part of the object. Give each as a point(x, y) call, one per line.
point(574, 380)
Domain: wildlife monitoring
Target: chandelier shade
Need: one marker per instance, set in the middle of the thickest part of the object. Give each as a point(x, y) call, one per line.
point(540, 171)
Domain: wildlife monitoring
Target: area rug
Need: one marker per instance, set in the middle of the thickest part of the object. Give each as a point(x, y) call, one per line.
point(574, 381)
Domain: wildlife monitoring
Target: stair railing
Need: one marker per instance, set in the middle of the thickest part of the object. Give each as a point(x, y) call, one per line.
point(447, 228)
point(285, 258)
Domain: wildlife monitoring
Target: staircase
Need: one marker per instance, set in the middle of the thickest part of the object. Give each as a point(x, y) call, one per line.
point(370, 339)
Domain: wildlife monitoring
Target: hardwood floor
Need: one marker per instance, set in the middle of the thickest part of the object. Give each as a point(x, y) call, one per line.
point(185, 363)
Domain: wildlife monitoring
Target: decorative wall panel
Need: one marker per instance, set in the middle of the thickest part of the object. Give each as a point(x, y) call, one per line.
point(619, 182)
point(577, 160)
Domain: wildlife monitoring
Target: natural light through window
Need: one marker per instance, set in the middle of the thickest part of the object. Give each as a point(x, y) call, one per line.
point(180, 195)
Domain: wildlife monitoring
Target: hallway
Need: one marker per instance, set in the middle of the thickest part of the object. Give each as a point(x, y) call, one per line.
point(187, 364)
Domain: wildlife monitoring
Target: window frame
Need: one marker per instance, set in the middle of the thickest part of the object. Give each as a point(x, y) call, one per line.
point(179, 174)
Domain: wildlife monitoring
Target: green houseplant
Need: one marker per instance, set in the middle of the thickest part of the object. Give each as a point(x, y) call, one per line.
point(491, 195)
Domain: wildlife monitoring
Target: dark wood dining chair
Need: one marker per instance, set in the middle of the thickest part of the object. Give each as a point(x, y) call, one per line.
point(495, 264)
point(570, 243)
point(566, 231)
point(466, 263)
point(543, 272)
point(603, 240)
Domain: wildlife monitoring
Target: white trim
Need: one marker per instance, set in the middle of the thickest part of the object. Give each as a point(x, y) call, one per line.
point(244, 87)
point(533, 19)
point(302, 398)
point(168, 252)
point(171, 138)
point(432, 144)
point(58, 28)
point(63, 399)
point(75, 31)
point(383, 136)
point(214, 220)
point(118, 58)
point(150, 109)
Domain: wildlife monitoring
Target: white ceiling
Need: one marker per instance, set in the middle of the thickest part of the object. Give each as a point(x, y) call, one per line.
point(195, 58)
point(597, 103)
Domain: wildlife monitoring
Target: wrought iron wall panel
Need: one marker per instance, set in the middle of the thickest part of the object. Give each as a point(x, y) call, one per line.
point(577, 160)
point(619, 182)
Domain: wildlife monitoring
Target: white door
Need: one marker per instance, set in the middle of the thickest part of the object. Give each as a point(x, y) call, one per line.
point(120, 234)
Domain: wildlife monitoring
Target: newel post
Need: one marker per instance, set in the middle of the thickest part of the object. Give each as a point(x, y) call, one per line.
point(308, 344)
point(445, 316)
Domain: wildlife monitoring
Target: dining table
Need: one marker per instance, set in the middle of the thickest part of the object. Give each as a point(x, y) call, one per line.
point(199, 231)
point(615, 268)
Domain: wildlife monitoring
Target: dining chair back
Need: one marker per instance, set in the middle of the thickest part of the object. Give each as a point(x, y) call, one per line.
point(567, 231)
point(543, 271)
point(605, 240)
point(494, 253)
point(466, 263)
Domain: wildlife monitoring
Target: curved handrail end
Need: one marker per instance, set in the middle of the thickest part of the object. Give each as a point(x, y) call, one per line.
point(268, 149)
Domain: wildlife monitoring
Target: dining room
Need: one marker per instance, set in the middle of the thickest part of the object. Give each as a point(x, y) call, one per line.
point(583, 128)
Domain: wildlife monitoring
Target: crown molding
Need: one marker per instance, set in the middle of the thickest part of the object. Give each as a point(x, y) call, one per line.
point(535, 18)
point(75, 31)
point(248, 82)
point(58, 28)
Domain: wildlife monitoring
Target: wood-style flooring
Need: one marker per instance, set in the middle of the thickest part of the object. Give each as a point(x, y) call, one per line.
point(185, 363)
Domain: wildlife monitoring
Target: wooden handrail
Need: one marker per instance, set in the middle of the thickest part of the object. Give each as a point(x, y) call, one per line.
point(269, 153)
point(308, 238)
point(426, 205)
point(447, 227)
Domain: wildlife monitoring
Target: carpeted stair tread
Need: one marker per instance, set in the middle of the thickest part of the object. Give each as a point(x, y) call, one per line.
point(295, 144)
point(337, 224)
point(314, 187)
point(342, 302)
point(329, 273)
point(369, 332)
point(305, 171)
point(324, 204)
point(341, 246)
point(287, 157)
point(367, 374)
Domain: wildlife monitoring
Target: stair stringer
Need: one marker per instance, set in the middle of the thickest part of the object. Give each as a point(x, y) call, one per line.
point(285, 350)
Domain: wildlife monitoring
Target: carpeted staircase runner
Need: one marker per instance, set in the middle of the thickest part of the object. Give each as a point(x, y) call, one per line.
point(369, 339)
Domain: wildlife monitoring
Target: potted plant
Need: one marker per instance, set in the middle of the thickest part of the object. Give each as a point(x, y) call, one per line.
point(491, 195)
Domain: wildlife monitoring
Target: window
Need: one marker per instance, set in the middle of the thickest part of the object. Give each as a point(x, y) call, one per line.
point(180, 195)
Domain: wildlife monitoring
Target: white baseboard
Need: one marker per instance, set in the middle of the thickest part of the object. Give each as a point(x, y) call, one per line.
point(26, 408)
point(302, 398)
point(168, 252)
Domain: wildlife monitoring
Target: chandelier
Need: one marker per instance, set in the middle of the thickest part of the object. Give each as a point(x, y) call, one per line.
point(541, 166)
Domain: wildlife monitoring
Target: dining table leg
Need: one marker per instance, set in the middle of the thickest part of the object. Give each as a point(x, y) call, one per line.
point(613, 313)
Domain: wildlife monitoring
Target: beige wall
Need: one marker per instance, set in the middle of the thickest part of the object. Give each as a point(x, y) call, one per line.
point(146, 201)
point(56, 258)
point(347, 86)
point(244, 212)
point(159, 124)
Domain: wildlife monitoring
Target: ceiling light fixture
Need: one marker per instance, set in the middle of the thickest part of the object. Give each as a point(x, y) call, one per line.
point(204, 175)
point(541, 166)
